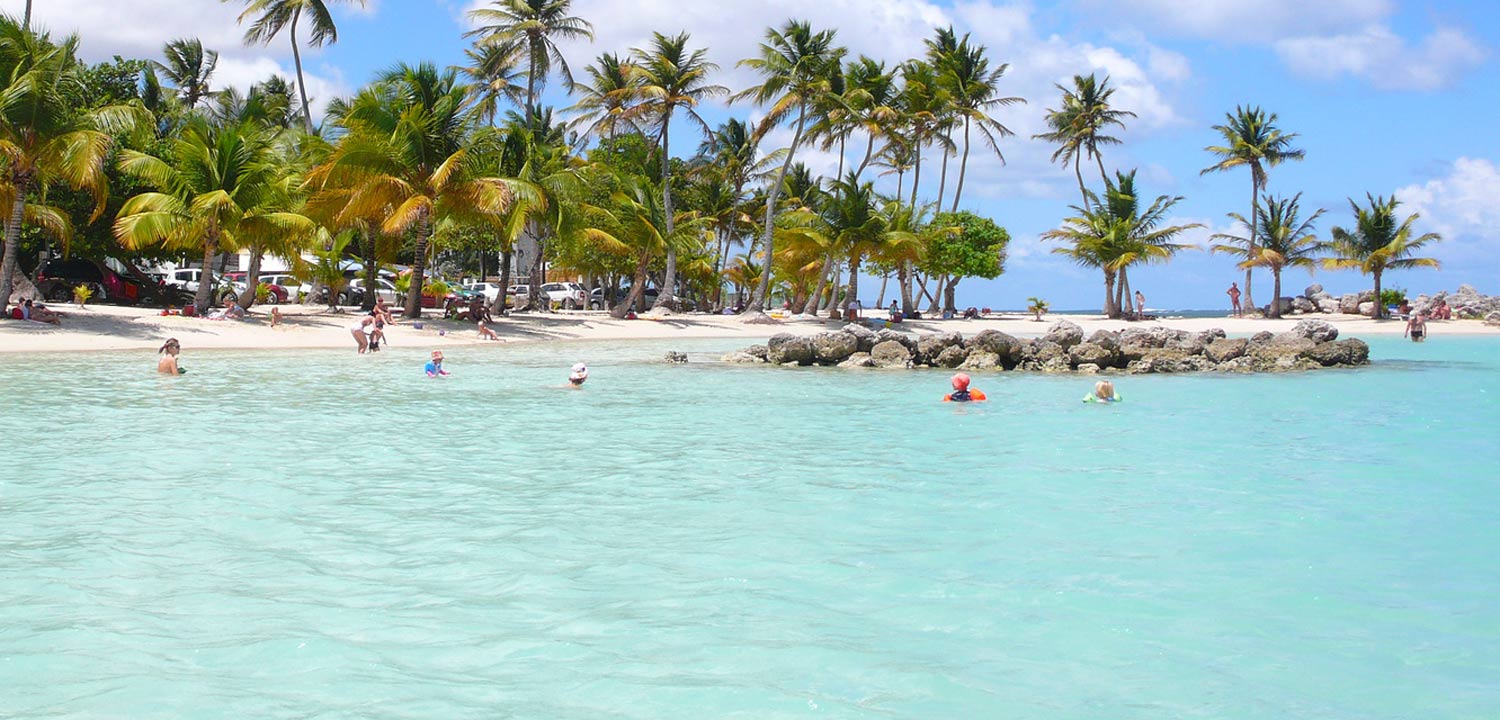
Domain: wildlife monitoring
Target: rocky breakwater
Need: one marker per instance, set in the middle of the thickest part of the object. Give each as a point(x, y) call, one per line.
point(1309, 345)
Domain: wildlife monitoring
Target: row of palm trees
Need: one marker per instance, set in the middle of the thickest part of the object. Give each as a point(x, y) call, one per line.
point(426, 158)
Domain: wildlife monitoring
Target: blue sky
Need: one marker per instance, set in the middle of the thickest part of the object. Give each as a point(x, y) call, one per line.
point(1388, 96)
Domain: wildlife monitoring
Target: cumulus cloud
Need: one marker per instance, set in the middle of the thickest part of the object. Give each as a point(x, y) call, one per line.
point(140, 28)
point(1460, 205)
point(1242, 20)
point(1386, 60)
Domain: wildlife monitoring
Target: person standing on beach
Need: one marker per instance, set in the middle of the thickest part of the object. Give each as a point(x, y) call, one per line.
point(1140, 305)
point(1234, 298)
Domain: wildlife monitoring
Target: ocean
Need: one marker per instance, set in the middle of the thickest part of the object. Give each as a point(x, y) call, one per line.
point(319, 534)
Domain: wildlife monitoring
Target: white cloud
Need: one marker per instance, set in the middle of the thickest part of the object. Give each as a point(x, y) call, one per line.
point(140, 28)
point(1461, 207)
point(1242, 20)
point(1383, 58)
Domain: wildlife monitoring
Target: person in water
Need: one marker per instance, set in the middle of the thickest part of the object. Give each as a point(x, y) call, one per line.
point(435, 365)
point(579, 374)
point(358, 331)
point(167, 365)
point(1416, 328)
point(1104, 391)
point(961, 391)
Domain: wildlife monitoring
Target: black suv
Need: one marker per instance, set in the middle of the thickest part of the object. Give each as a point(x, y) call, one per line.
point(58, 277)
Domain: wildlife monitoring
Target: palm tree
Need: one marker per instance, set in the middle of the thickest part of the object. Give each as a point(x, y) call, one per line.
point(1114, 234)
point(733, 150)
point(189, 67)
point(532, 27)
point(409, 160)
point(671, 78)
point(215, 187)
point(45, 138)
point(274, 15)
point(1378, 243)
point(634, 225)
point(604, 101)
point(1286, 241)
point(1079, 124)
point(1252, 139)
point(493, 73)
point(923, 104)
point(973, 92)
point(796, 65)
point(871, 94)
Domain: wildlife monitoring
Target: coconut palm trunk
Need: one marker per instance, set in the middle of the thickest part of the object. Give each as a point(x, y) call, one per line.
point(851, 292)
point(502, 301)
point(1378, 312)
point(1276, 296)
point(301, 80)
point(916, 174)
point(418, 268)
point(815, 300)
point(252, 277)
point(943, 179)
point(203, 296)
point(963, 168)
point(1254, 223)
point(904, 280)
point(884, 279)
point(869, 153)
point(372, 271)
point(669, 278)
point(1109, 294)
point(12, 236)
point(637, 287)
point(762, 292)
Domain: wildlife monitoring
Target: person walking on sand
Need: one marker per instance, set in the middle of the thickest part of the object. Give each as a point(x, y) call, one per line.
point(1416, 328)
point(1234, 298)
point(167, 365)
point(358, 331)
point(1140, 306)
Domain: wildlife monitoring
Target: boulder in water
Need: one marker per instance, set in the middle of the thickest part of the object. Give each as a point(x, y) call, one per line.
point(834, 347)
point(785, 348)
point(675, 357)
point(890, 353)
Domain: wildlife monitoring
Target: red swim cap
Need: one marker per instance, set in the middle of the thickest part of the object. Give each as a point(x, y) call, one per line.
point(960, 381)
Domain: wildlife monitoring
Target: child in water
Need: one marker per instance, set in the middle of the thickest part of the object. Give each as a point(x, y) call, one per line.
point(1104, 391)
point(961, 391)
point(579, 374)
point(435, 365)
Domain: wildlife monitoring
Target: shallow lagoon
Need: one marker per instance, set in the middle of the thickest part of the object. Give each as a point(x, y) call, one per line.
point(316, 534)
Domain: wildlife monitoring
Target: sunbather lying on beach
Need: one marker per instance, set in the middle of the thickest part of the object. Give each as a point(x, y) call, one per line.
point(39, 313)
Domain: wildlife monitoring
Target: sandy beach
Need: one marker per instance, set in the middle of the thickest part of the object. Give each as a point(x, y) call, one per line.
point(110, 327)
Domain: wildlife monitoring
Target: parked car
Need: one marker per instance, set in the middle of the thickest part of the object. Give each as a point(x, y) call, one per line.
point(648, 297)
point(569, 295)
point(354, 293)
point(293, 287)
point(489, 290)
point(187, 279)
point(58, 277)
point(278, 294)
point(519, 295)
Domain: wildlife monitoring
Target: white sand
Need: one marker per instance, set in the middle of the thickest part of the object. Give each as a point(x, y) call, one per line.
point(108, 327)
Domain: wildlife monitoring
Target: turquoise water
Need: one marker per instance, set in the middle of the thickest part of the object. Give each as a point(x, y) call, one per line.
point(321, 535)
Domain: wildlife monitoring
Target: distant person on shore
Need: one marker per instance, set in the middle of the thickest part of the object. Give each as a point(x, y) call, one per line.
point(434, 366)
point(383, 311)
point(358, 331)
point(486, 333)
point(1404, 309)
point(578, 376)
point(894, 313)
point(1140, 305)
point(167, 365)
point(1234, 298)
point(1416, 328)
point(39, 313)
point(1104, 391)
point(275, 316)
point(961, 392)
point(1441, 311)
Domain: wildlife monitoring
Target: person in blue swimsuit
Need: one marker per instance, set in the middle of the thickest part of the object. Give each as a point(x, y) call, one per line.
point(435, 365)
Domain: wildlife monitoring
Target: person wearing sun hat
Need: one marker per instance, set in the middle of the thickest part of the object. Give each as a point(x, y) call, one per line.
point(961, 391)
point(435, 365)
point(579, 374)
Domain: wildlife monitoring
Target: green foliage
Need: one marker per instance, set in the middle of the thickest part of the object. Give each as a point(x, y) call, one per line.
point(81, 293)
point(262, 292)
point(1037, 307)
point(976, 249)
point(1391, 297)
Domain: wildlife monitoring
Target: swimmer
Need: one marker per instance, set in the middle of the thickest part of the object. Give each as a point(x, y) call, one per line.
point(435, 365)
point(579, 374)
point(1416, 327)
point(167, 365)
point(1104, 391)
point(961, 391)
point(358, 330)
point(486, 333)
